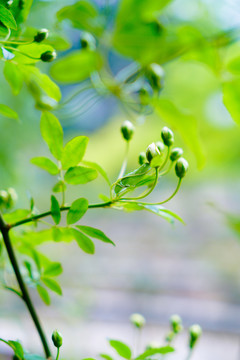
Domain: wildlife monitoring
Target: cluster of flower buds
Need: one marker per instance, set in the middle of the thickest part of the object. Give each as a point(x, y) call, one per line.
point(49, 55)
point(137, 320)
point(57, 339)
point(8, 198)
point(155, 151)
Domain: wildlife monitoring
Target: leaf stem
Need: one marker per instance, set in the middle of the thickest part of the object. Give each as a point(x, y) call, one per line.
point(124, 164)
point(4, 228)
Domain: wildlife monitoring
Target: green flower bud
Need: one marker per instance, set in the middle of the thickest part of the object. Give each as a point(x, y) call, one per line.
point(9, 4)
point(181, 167)
point(155, 74)
point(127, 130)
point(41, 35)
point(88, 41)
point(137, 320)
point(48, 56)
point(167, 136)
point(3, 198)
point(151, 152)
point(57, 339)
point(176, 153)
point(176, 323)
point(153, 345)
point(195, 332)
point(142, 158)
point(160, 146)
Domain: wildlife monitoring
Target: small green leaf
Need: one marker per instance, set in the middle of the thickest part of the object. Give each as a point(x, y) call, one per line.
point(77, 210)
point(44, 295)
point(80, 175)
point(84, 242)
point(74, 151)
point(122, 349)
point(7, 18)
point(6, 111)
point(95, 233)
point(59, 187)
point(55, 210)
point(52, 285)
point(106, 356)
point(162, 350)
point(45, 164)
point(52, 133)
point(54, 269)
point(97, 167)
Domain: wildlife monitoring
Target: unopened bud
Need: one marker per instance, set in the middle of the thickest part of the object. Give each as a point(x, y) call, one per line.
point(153, 345)
point(167, 136)
point(41, 35)
point(142, 158)
point(155, 74)
point(176, 153)
point(48, 56)
point(181, 167)
point(57, 339)
point(88, 41)
point(127, 130)
point(151, 152)
point(137, 320)
point(176, 323)
point(195, 332)
point(160, 146)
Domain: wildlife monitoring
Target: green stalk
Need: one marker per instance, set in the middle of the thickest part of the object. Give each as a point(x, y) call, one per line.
point(4, 228)
point(124, 164)
point(58, 352)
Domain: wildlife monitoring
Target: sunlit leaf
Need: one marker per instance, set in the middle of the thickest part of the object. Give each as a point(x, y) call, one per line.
point(52, 285)
point(77, 210)
point(6, 111)
point(45, 164)
point(122, 349)
point(74, 151)
point(148, 353)
point(55, 210)
point(7, 18)
point(84, 242)
point(52, 133)
point(95, 233)
point(80, 175)
point(44, 295)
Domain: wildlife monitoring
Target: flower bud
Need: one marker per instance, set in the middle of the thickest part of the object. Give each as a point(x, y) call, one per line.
point(195, 332)
point(181, 167)
point(151, 152)
point(160, 146)
point(176, 153)
point(137, 320)
point(153, 345)
point(41, 35)
point(127, 130)
point(3, 198)
point(48, 56)
point(142, 158)
point(57, 339)
point(176, 323)
point(9, 4)
point(155, 74)
point(167, 136)
point(88, 41)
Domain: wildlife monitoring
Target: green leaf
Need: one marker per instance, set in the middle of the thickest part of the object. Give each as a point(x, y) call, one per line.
point(54, 269)
point(83, 241)
point(106, 356)
point(74, 151)
point(45, 164)
point(34, 50)
point(16, 215)
point(122, 349)
point(76, 67)
point(77, 210)
point(44, 295)
point(80, 175)
point(52, 133)
point(52, 285)
point(231, 93)
point(55, 210)
point(162, 350)
point(95, 233)
point(6, 111)
point(7, 18)
point(97, 167)
point(82, 14)
point(60, 186)
point(14, 76)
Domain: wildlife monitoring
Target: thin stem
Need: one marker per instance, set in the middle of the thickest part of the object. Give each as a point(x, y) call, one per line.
point(16, 42)
point(4, 228)
point(124, 164)
point(20, 52)
point(48, 213)
point(189, 354)
point(148, 192)
point(58, 352)
point(158, 203)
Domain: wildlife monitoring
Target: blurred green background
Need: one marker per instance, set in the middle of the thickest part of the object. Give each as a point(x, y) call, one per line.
point(156, 269)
